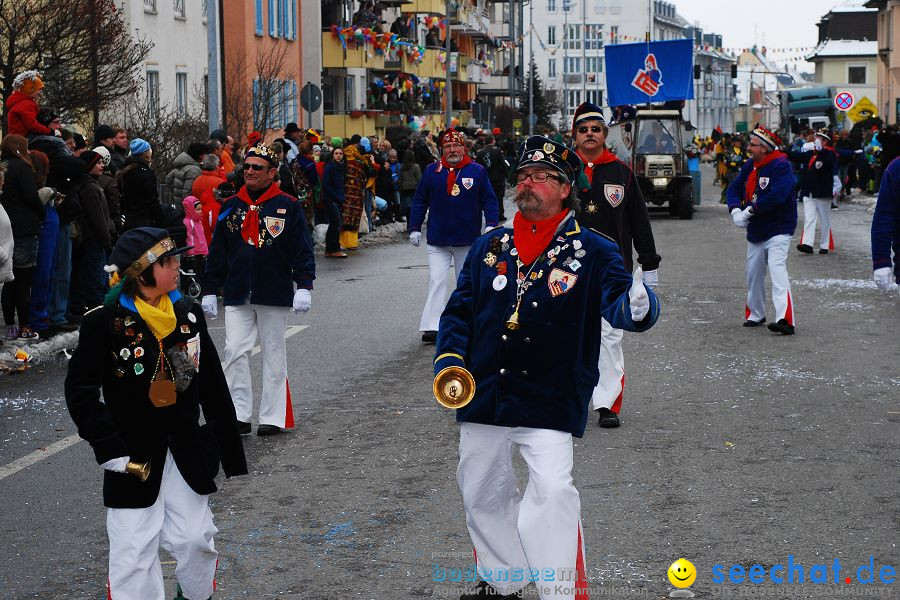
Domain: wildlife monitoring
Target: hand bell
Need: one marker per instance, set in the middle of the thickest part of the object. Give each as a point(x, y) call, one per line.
point(139, 470)
point(454, 387)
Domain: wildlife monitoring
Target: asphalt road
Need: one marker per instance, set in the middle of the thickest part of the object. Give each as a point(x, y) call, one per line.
point(738, 446)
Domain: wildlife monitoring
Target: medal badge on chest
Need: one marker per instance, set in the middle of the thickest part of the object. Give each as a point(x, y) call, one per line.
point(455, 190)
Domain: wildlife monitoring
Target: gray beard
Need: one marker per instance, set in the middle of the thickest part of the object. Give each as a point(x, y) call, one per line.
point(529, 204)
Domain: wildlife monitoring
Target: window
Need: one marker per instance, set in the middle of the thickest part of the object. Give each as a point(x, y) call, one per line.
point(593, 37)
point(567, 5)
point(204, 9)
point(150, 6)
point(856, 74)
point(288, 19)
point(153, 91)
point(614, 34)
point(573, 37)
point(551, 68)
point(274, 22)
point(551, 5)
point(574, 101)
point(572, 64)
point(551, 35)
point(289, 100)
point(259, 17)
point(179, 8)
point(181, 93)
point(593, 64)
point(595, 97)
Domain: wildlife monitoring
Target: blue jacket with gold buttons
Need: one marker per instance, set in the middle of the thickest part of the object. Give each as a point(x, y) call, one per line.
point(264, 273)
point(542, 374)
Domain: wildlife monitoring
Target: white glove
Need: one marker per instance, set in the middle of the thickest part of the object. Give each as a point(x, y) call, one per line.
point(415, 238)
point(807, 146)
point(884, 279)
point(638, 298)
point(116, 464)
point(836, 185)
point(302, 300)
point(858, 151)
point(737, 215)
point(209, 306)
point(651, 278)
point(817, 143)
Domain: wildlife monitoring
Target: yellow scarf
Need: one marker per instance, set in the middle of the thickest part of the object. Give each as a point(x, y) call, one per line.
point(161, 319)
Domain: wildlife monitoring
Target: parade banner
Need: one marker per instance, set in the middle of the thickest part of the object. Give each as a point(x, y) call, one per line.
point(649, 72)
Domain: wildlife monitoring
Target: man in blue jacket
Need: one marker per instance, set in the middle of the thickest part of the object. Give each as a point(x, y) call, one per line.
point(886, 229)
point(821, 183)
point(259, 251)
point(454, 193)
point(761, 200)
point(525, 319)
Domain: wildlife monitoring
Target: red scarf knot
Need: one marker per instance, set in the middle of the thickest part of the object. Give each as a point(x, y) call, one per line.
point(453, 169)
point(532, 237)
point(752, 178)
point(605, 157)
point(250, 227)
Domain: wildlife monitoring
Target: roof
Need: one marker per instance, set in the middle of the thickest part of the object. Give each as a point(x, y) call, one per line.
point(852, 6)
point(839, 48)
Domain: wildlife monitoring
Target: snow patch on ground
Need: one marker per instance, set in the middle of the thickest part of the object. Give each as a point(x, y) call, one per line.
point(822, 284)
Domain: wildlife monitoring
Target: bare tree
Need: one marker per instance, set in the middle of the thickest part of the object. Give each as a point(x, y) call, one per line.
point(88, 56)
point(253, 103)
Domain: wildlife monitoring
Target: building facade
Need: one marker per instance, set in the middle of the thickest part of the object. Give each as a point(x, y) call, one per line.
point(888, 63)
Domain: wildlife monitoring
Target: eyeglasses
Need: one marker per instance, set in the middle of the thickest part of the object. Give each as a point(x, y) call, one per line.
point(754, 145)
point(593, 128)
point(536, 177)
point(247, 167)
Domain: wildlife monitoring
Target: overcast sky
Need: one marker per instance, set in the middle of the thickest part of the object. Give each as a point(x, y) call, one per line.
point(770, 23)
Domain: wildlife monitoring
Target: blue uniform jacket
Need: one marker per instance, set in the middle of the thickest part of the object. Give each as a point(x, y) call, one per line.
point(821, 167)
point(774, 206)
point(263, 274)
point(453, 220)
point(541, 375)
point(886, 220)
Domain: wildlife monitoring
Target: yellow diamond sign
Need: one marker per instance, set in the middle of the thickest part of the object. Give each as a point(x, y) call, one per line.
point(862, 110)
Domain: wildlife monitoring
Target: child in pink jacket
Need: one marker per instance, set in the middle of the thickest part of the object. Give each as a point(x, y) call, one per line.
point(194, 226)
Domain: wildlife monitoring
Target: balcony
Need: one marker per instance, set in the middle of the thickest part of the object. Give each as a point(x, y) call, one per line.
point(357, 55)
point(344, 126)
point(477, 72)
point(461, 73)
point(429, 67)
point(434, 7)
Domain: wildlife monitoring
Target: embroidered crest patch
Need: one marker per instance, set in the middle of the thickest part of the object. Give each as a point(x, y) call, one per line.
point(274, 226)
point(613, 194)
point(763, 182)
point(560, 282)
point(468, 182)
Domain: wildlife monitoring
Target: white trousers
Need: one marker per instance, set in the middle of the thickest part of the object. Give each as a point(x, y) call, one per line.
point(817, 209)
point(611, 387)
point(242, 323)
point(772, 253)
point(438, 264)
point(513, 532)
point(179, 522)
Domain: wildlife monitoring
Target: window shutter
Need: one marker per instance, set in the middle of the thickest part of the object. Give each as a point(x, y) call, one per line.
point(294, 97)
point(273, 22)
point(259, 17)
point(255, 99)
point(292, 19)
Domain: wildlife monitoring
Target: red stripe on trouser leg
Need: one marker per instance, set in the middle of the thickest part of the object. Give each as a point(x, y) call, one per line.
point(581, 584)
point(617, 405)
point(288, 409)
point(475, 556)
point(789, 313)
point(214, 574)
point(108, 590)
point(830, 240)
point(746, 312)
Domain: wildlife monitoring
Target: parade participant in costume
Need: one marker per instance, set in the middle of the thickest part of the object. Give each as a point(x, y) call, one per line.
point(612, 204)
point(260, 249)
point(761, 200)
point(819, 186)
point(886, 229)
point(149, 353)
point(356, 174)
point(306, 180)
point(525, 320)
point(454, 193)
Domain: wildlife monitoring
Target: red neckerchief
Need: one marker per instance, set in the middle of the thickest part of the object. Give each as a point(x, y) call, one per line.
point(532, 237)
point(752, 177)
point(605, 157)
point(452, 169)
point(250, 228)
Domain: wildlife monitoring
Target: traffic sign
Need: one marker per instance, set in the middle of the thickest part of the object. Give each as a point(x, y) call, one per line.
point(517, 124)
point(310, 97)
point(843, 100)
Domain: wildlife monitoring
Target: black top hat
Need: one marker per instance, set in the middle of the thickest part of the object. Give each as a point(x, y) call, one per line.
point(139, 248)
point(541, 151)
point(291, 128)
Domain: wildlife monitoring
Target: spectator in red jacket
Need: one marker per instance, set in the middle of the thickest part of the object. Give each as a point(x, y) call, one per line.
point(22, 106)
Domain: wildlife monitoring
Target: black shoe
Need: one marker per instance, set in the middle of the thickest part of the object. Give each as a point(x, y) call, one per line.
point(268, 430)
point(805, 248)
point(429, 337)
point(483, 590)
point(782, 327)
point(752, 323)
point(243, 428)
point(823, 250)
point(608, 419)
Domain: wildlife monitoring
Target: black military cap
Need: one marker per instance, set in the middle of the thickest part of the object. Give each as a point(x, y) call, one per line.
point(139, 248)
point(541, 151)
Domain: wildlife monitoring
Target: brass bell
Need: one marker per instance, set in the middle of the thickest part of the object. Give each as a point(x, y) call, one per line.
point(513, 322)
point(454, 387)
point(139, 470)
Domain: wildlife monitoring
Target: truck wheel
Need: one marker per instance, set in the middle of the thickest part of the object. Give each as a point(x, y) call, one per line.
point(674, 203)
point(686, 201)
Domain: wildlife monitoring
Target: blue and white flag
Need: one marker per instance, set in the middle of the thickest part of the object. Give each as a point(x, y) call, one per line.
point(649, 72)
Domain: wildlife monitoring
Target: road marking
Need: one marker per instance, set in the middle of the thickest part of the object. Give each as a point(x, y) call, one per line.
point(38, 455)
point(60, 445)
